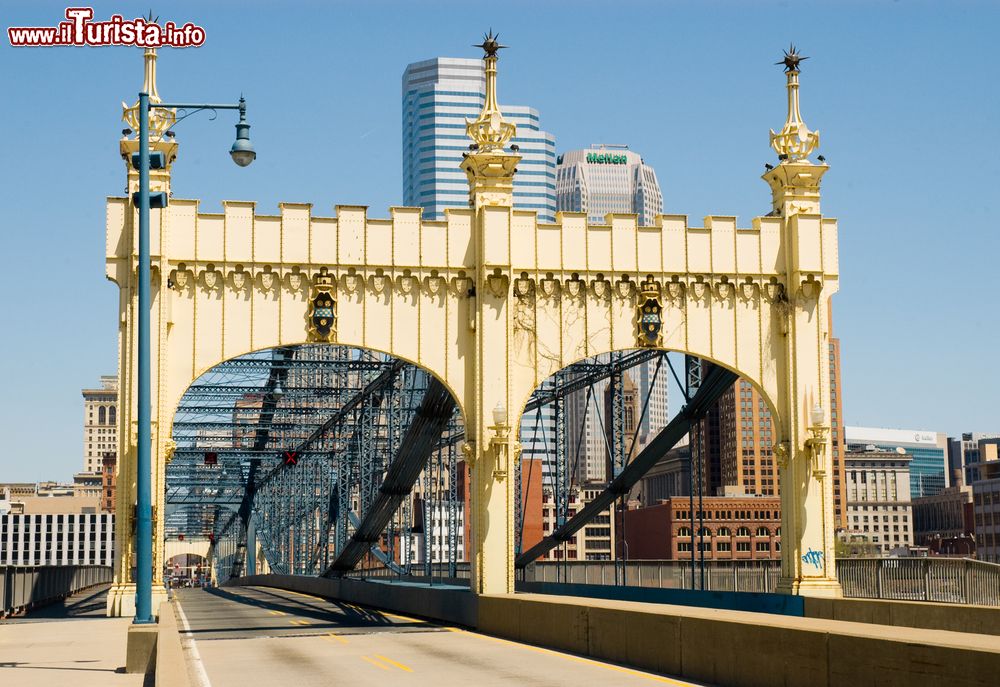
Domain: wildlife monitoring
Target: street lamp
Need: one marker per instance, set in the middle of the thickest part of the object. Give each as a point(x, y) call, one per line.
point(243, 154)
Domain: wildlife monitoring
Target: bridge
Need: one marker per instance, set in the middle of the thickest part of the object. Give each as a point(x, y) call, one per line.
point(346, 410)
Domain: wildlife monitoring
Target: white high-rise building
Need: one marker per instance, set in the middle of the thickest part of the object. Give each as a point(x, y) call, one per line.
point(100, 423)
point(438, 96)
point(607, 178)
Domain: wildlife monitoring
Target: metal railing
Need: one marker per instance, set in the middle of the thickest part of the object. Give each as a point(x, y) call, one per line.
point(736, 576)
point(27, 586)
point(943, 580)
point(441, 573)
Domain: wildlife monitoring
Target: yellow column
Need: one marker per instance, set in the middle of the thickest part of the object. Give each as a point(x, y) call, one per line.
point(490, 169)
point(804, 457)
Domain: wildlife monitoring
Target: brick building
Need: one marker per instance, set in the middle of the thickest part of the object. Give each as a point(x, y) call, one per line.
point(108, 481)
point(733, 528)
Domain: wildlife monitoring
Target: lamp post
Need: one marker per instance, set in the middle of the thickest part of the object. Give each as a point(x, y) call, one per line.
point(243, 154)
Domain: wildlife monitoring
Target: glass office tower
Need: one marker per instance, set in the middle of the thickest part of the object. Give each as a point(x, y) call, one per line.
point(438, 95)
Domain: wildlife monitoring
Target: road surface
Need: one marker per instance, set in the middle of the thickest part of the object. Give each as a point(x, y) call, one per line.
point(236, 636)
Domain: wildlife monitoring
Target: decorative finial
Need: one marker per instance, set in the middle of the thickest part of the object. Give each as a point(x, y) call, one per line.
point(490, 44)
point(795, 142)
point(159, 120)
point(792, 59)
point(489, 132)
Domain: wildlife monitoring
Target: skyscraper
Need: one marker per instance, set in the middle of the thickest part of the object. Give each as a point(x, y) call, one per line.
point(438, 95)
point(607, 178)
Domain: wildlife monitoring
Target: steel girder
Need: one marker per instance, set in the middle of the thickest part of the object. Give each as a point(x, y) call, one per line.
point(418, 443)
point(715, 383)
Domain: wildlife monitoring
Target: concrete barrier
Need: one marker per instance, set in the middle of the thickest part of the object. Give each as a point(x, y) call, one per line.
point(737, 648)
point(447, 604)
point(921, 614)
point(756, 602)
point(171, 666)
point(743, 649)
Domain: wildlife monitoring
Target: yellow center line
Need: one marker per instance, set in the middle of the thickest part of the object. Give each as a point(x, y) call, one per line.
point(394, 663)
point(331, 635)
point(578, 659)
point(376, 663)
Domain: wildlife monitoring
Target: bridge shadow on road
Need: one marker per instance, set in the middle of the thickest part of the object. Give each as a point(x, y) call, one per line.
point(257, 610)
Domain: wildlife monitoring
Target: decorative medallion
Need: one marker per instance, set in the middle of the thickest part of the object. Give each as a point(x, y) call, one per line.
point(523, 286)
point(600, 287)
point(724, 289)
point(774, 290)
point(498, 283)
point(675, 289)
point(323, 309)
point(649, 317)
point(575, 286)
point(550, 285)
point(267, 280)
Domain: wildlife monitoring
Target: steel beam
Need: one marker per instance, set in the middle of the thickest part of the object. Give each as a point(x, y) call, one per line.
point(417, 444)
point(716, 382)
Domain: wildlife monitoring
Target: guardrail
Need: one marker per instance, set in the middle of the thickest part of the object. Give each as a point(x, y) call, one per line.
point(725, 576)
point(25, 587)
point(943, 580)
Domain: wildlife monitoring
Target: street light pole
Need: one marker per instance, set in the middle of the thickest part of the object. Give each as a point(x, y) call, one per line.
point(144, 524)
point(243, 154)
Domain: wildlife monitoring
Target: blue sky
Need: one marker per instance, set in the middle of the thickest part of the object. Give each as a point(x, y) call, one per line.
point(904, 94)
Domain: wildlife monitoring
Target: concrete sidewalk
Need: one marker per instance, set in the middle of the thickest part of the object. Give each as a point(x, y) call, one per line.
point(66, 644)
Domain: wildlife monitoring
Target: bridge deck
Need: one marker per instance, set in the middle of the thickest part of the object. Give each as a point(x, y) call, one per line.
point(68, 643)
point(254, 635)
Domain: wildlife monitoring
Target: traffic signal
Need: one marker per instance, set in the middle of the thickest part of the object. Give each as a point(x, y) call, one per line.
point(291, 457)
point(211, 458)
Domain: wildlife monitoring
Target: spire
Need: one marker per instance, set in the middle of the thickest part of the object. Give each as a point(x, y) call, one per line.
point(149, 75)
point(489, 132)
point(795, 142)
point(491, 163)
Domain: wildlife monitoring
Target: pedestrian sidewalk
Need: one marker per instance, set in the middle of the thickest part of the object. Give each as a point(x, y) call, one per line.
point(66, 644)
